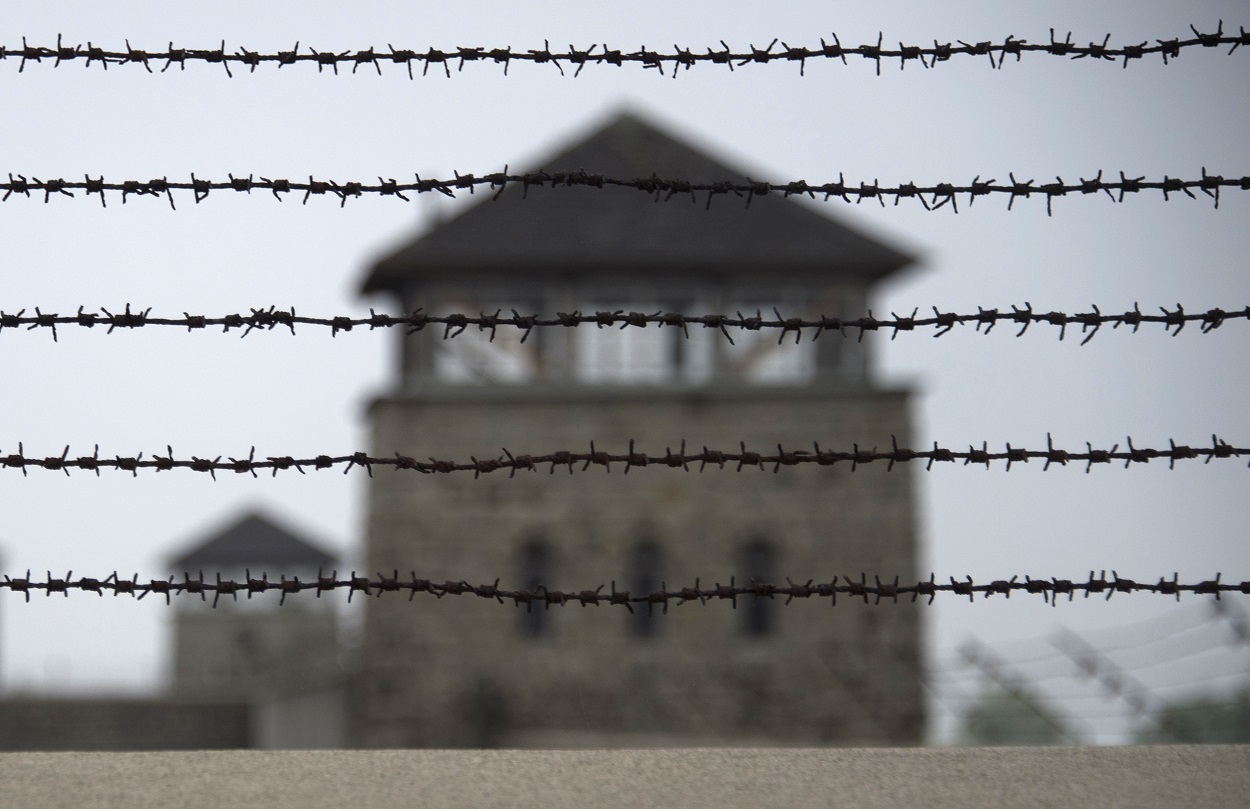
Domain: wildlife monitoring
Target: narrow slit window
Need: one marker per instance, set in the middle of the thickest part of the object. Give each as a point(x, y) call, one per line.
point(644, 579)
point(758, 564)
point(536, 573)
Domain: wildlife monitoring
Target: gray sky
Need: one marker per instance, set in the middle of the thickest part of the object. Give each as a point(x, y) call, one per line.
point(206, 394)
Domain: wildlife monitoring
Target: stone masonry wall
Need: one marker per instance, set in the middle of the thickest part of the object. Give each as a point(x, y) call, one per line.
point(462, 671)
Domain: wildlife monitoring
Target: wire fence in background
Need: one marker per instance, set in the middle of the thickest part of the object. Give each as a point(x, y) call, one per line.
point(453, 325)
point(1050, 589)
point(737, 461)
point(600, 54)
point(662, 189)
point(1109, 675)
point(1101, 666)
point(999, 672)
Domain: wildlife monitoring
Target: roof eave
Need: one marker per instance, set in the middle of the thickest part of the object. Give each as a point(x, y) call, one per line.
point(387, 278)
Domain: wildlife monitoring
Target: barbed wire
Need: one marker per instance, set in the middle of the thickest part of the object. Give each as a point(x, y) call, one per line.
point(660, 188)
point(601, 54)
point(632, 459)
point(1173, 320)
point(874, 592)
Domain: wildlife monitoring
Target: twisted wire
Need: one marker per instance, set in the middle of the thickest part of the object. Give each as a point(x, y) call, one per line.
point(677, 59)
point(1050, 589)
point(1218, 449)
point(662, 189)
point(1173, 320)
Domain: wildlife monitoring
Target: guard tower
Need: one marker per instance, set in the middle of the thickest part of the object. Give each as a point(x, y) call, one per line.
point(249, 650)
point(468, 672)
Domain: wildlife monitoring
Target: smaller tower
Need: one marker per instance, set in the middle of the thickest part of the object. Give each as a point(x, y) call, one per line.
point(248, 649)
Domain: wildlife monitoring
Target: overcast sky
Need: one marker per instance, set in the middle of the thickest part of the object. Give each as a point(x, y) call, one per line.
point(207, 394)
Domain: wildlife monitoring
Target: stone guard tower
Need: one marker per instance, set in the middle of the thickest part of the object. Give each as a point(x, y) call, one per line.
point(284, 663)
point(460, 672)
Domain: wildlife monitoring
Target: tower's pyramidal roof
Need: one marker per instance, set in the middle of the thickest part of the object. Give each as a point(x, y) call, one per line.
point(587, 231)
point(252, 540)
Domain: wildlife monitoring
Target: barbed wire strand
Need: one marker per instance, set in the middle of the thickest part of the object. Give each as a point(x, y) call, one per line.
point(600, 54)
point(1050, 589)
point(1218, 449)
point(455, 324)
point(661, 189)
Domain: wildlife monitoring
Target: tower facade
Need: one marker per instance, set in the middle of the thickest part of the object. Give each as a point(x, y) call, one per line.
point(283, 662)
point(470, 672)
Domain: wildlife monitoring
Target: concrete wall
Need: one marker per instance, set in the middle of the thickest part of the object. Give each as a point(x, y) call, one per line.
point(463, 671)
point(1038, 778)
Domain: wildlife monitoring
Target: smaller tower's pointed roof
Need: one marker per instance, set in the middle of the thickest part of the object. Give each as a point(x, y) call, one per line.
point(253, 539)
point(533, 233)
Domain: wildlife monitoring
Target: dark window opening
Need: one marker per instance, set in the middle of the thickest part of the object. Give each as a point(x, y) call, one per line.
point(644, 579)
point(536, 574)
point(758, 565)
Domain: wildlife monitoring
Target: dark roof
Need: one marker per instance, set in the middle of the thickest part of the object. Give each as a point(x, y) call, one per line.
point(578, 231)
point(254, 539)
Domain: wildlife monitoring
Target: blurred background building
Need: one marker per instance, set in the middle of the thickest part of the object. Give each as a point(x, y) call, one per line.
point(457, 673)
point(464, 672)
point(283, 659)
point(246, 672)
